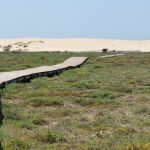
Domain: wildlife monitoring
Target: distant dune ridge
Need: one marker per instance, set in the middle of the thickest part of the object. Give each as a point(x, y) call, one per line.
point(73, 44)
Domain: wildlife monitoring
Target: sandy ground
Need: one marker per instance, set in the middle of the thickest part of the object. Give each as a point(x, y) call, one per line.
point(74, 44)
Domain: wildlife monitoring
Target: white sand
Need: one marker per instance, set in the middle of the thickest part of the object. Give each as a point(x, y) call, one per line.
point(75, 44)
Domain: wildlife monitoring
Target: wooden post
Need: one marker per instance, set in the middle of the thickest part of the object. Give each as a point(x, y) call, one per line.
point(1, 148)
point(1, 114)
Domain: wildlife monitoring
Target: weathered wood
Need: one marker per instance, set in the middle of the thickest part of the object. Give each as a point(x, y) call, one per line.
point(108, 56)
point(29, 74)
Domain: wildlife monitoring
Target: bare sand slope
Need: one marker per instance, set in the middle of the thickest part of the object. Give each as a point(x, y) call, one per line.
point(74, 44)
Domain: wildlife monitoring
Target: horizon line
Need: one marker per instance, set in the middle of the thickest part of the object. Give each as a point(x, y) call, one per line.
point(67, 38)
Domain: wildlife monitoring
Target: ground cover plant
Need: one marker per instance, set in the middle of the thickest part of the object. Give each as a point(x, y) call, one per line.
point(105, 104)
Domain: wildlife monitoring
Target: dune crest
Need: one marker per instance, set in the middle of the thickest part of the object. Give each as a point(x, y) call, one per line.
point(73, 44)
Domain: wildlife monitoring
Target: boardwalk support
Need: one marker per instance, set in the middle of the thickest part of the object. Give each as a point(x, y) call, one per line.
point(49, 71)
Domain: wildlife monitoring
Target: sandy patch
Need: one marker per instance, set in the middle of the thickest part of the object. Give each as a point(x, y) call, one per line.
point(74, 45)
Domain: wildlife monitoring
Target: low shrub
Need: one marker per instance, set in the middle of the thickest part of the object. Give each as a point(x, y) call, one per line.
point(49, 136)
point(42, 101)
point(16, 144)
point(38, 120)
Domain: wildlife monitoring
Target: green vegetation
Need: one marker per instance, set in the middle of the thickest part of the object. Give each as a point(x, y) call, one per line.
point(105, 104)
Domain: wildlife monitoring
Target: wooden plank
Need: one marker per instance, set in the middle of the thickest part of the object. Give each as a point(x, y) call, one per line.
point(73, 62)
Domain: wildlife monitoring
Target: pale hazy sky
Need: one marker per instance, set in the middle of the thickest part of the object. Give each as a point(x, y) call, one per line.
point(123, 19)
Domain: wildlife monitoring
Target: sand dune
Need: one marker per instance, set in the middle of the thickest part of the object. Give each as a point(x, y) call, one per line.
point(74, 45)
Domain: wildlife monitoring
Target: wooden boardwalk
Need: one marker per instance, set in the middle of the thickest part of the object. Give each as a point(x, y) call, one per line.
point(28, 74)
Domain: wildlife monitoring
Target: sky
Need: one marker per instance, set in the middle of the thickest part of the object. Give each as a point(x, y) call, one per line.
point(113, 19)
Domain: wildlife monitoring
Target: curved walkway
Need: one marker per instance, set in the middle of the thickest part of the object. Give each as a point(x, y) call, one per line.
point(28, 74)
point(108, 56)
